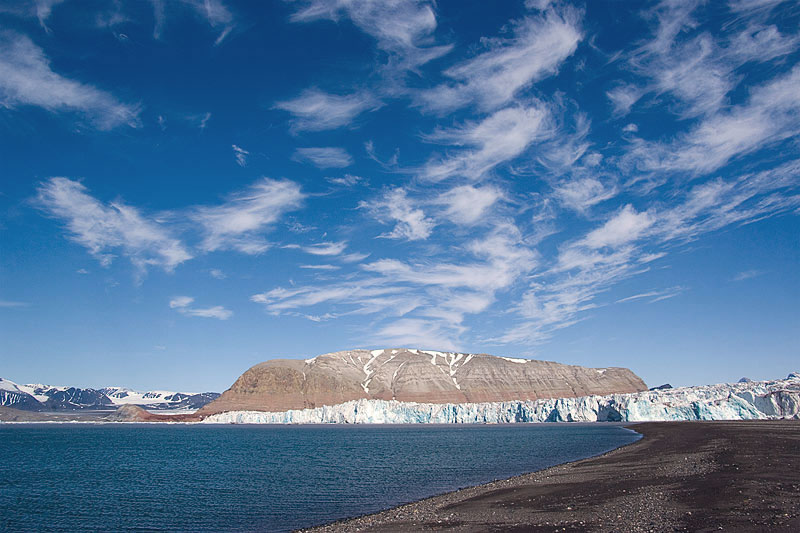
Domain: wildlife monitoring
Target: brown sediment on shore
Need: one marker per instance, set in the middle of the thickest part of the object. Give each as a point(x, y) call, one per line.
point(126, 413)
point(682, 476)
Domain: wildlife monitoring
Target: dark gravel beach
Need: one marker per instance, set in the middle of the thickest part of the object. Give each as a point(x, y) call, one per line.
point(682, 476)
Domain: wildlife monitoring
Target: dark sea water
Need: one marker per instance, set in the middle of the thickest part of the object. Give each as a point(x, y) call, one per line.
point(84, 477)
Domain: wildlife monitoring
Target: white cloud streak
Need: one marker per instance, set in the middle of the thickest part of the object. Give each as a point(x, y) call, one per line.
point(623, 97)
point(239, 223)
point(9, 304)
point(748, 274)
point(415, 298)
point(108, 228)
point(468, 205)
point(422, 333)
point(580, 194)
point(628, 240)
point(494, 77)
point(40, 9)
point(240, 154)
point(324, 157)
point(325, 248)
point(402, 28)
point(183, 304)
point(654, 296)
point(395, 206)
point(348, 180)
point(315, 110)
point(770, 115)
point(26, 78)
point(497, 139)
point(625, 226)
point(320, 267)
point(214, 12)
point(697, 69)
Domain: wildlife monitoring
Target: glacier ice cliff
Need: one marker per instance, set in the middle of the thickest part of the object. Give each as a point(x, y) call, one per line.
point(728, 401)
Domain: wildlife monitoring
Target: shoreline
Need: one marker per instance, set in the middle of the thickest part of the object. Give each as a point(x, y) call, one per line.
point(680, 476)
point(498, 483)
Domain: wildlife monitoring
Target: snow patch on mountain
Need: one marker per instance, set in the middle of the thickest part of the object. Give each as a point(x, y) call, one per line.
point(728, 401)
point(8, 386)
point(125, 396)
point(515, 360)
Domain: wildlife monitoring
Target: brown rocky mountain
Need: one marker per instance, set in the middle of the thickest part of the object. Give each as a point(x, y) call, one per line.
point(413, 376)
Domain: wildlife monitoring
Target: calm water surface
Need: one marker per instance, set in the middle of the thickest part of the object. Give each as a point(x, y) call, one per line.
point(83, 477)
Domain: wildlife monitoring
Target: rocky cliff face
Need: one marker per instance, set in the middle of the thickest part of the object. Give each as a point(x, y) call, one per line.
point(409, 375)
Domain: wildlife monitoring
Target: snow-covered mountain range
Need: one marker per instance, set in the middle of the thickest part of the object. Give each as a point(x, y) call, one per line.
point(726, 401)
point(37, 397)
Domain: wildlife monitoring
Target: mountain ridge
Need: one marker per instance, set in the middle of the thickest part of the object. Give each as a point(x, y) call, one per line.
point(413, 375)
point(38, 397)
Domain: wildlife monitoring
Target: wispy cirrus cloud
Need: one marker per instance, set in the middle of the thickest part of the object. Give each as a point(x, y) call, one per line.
point(215, 12)
point(771, 114)
point(8, 304)
point(40, 9)
point(113, 228)
point(623, 97)
point(468, 205)
point(625, 226)
point(582, 193)
point(43, 10)
point(753, 5)
point(325, 248)
point(396, 207)
point(26, 78)
point(410, 298)
point(183, 304)
point(628, 240)
point(402, 28)
point(748, 274)
point(348, 180)
point(497, 139)
point(239, 222)
point(324, 157)
point(106, 230)
point(494, 77)
point(320, 267)
point(696, 68)
point(424, 333)
point(315, 110)
point(654, 296)
point(240, 154)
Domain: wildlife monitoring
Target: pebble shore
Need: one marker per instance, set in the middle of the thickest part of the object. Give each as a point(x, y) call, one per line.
point(682, 476)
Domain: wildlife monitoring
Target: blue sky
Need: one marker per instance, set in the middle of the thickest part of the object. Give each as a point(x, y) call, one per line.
point(191, 187)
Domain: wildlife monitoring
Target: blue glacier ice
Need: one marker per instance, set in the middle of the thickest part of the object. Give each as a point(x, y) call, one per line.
point(727, 401)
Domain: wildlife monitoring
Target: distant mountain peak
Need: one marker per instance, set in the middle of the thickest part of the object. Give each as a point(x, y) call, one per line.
point(38, 397)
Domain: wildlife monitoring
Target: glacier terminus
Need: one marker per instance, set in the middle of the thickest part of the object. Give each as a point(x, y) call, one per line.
point(754, 400)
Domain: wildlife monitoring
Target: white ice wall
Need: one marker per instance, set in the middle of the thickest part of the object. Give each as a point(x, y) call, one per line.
point(736, 401)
